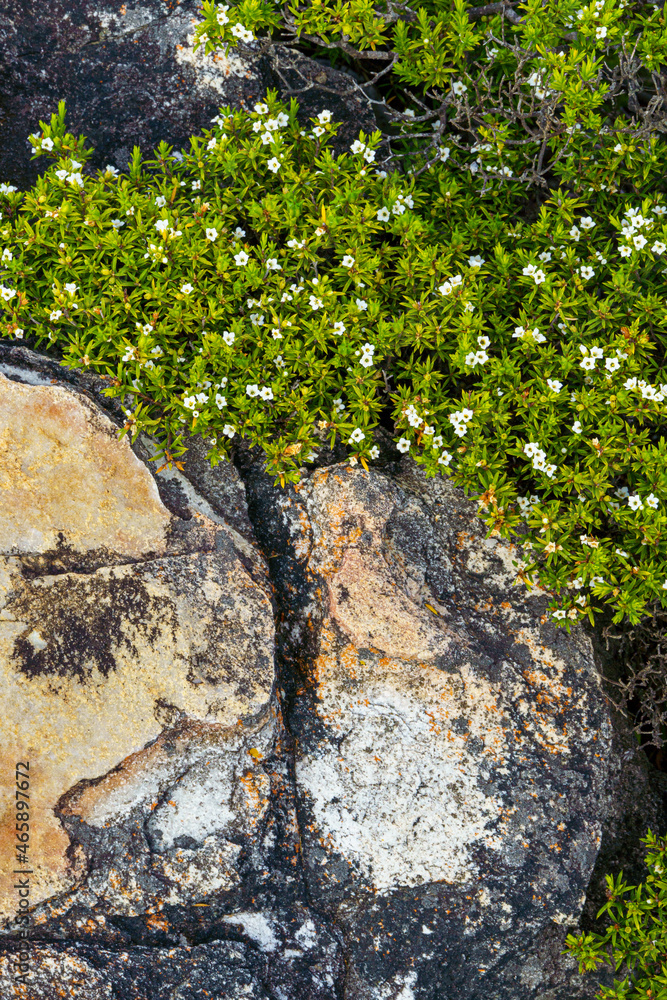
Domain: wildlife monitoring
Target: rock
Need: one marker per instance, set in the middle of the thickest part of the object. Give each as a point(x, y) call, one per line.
point(453, 772)
point(117, 621)
point(224, 970)
point(420, 807)
point(129, 76)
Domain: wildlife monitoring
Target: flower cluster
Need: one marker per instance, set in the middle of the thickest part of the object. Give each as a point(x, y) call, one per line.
point(532, 450)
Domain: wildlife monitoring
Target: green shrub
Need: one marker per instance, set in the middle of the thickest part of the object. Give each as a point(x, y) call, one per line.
point(636, 939)
point(257, 286)
point(502, 88)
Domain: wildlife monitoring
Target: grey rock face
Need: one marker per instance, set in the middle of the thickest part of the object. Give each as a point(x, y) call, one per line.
point(129, 76)
point(452, 764)
point(417, 812)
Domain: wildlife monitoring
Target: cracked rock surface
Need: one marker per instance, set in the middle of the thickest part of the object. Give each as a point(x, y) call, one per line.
point(116, 620)
point(129, 76)
point(288, 743)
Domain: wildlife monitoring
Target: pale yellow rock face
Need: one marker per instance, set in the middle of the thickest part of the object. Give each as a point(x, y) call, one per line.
point(95, 664)
point(66, 478)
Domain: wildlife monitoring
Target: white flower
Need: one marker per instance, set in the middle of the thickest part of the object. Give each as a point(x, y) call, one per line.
point(519, 332)
point(257, 319)
point(221, 16)
point(160, 201)
point(483, 342)
point(374, 452)
point(576, 427)
point(187, 288)
point(71, 288)
point(459, 88)
point(639, 241)
point(274, 164)
point(162, 225)
point(252, 390)
point(601, 31)
point(652, 500)
point(53, 316)
point(61, 175)
point(357, 435)
point(586, 272)
point(476, 261)
point(545, 255)
point(47, 143)
point(8, 293)
point(347, 261)
point(587, 364)
point(403, 445)
point(575, 233)
point(445, 458)
point(273, 265)
point(539, 277)
point(212, 234)
point(586, 222)
point(75, 178)
point(228, 430)
point(398, 208)
point(361, 304)
point(241, 258)
point(18, 333)
point(358, 146)
point(261, 109)
point(240, 31)
point(324, 117)
point(612, 364)
point(658, 247)
point(338, 328)
point(266, 392)
point(315, 303)
point(282, 119)
point(624, 251)
point(369, 155)
point(318, 130)
point(554, 385)
point(634, 502)
point(117, 223)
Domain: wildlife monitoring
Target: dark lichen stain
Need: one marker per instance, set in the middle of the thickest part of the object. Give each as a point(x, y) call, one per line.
point(84, 622)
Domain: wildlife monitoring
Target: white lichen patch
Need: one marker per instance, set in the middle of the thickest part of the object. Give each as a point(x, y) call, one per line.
point(194, 874)
point(54, 973)
point(126, 21)
point(400, 798)
point(212, 70)
point(256, 926)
